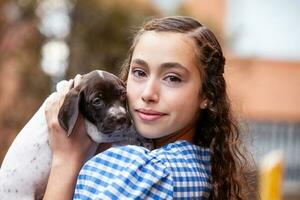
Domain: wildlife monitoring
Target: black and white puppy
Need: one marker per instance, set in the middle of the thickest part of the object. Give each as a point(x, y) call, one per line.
point(100, 97)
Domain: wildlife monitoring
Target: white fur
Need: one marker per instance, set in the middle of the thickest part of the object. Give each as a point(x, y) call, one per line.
point(25, 168)
point(106, 138)
point(116, 110)
point(101, 73)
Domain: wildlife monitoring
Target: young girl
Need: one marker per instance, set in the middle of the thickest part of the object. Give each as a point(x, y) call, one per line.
point(177, 97)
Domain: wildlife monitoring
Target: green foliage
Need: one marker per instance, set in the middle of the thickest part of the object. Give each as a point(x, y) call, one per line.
point(101, 33)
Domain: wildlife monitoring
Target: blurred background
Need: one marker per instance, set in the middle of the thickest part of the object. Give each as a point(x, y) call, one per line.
point(44, 41)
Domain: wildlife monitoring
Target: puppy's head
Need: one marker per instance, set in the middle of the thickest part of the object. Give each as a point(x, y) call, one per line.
point(101, 98)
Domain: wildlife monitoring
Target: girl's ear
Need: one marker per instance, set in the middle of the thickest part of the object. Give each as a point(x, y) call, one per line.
point(203, 103)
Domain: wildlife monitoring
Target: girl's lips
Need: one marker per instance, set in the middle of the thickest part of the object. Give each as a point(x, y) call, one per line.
point(149, 115)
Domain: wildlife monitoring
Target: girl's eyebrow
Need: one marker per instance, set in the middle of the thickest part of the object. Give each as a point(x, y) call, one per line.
point(173, 65)
point(140, 62)
point(164, 66)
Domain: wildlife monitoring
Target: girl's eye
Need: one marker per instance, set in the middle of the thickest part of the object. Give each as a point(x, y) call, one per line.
point(173, 79)
point(138, 73)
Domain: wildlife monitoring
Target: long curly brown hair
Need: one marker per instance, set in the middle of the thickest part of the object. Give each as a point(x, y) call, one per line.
point(215, 127)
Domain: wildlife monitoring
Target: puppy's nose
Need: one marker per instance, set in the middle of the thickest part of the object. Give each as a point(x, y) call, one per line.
point(117, 119)
point(117, 115)
point(121, 119)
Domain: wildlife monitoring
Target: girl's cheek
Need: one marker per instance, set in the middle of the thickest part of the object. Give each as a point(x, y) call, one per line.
point(132, 90)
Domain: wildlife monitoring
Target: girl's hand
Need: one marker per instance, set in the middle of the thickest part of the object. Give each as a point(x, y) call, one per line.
point(68, 153)
point(74, 148)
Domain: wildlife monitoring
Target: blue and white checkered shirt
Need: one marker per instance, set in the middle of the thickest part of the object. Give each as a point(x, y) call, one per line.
point(179, 170)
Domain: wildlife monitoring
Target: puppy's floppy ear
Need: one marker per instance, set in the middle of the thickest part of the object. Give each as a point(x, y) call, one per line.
point(69, 111)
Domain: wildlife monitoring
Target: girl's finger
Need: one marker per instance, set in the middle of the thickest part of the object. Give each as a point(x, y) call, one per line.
point(61, 85)
point(68, 86)
point(52, 107)
point(64, 86)
point(77, 80)
point(52, 98)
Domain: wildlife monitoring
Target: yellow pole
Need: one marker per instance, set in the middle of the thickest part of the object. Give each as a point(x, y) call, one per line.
point(271, 176)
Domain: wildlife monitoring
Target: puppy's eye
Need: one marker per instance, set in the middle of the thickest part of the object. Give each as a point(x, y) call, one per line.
point(123, 95)
point(97, 101)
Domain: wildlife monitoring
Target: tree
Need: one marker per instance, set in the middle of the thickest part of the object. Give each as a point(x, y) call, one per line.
point(23, 85)
point(102, 31)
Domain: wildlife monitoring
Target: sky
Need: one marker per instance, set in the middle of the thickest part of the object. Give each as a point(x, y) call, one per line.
point(265, 29)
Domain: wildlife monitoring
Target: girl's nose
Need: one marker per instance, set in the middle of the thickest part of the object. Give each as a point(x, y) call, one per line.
point(150, 93)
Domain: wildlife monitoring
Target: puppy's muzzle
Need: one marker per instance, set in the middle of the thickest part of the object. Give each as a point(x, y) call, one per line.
point(117, 119)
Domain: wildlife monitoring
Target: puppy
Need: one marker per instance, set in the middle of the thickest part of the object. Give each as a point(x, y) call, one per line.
point(100, 97)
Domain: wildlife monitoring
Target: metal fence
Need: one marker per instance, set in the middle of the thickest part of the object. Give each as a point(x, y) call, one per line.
point(267, 136)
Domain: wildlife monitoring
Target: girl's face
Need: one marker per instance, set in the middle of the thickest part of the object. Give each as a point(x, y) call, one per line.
point(164, 84)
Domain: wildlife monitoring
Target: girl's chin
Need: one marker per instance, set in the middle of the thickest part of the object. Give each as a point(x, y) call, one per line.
point(151, 135)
